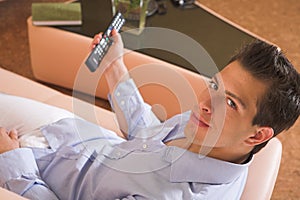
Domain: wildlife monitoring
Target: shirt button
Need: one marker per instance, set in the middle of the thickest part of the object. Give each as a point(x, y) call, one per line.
point(145, 146)
point(122, 103)
point(118, 94)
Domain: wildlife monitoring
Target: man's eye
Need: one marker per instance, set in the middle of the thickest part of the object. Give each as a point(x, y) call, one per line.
point(213, 85)
point(231, 103)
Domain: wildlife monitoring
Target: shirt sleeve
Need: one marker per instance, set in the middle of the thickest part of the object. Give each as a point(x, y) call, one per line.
point(137, 113)
point(19, 174)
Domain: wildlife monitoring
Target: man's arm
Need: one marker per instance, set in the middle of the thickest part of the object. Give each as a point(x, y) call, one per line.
point(18, 170)
point(128, 104)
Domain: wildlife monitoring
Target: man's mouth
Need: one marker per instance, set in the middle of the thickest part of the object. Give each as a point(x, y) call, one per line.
point(199, 121)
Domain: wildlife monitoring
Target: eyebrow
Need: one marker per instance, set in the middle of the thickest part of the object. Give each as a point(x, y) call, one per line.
point(231, 94)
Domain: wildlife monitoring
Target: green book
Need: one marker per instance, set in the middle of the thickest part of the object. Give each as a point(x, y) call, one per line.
point(56, 14)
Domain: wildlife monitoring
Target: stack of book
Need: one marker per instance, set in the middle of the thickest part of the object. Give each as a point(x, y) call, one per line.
point(56, 14)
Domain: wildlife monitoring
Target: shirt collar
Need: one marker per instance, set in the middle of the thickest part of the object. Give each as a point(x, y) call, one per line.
point(190, 167)
point(176, 127)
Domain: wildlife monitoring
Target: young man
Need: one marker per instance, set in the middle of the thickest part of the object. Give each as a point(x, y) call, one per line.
point(259, 89)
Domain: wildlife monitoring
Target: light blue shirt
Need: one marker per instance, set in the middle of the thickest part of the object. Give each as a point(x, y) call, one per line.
point(86, 161)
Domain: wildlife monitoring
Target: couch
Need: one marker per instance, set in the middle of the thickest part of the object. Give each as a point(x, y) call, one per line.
point(60, 66)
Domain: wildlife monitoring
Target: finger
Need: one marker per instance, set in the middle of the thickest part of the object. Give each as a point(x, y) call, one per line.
point(98, 36)
point(96, 40)
point(94, 43)
point(13, 134)
point(116, 37)
point(114, 32)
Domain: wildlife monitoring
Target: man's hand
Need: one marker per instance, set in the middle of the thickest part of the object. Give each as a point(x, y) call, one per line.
point(112, 63)
point(8, 140)
point(115, 52)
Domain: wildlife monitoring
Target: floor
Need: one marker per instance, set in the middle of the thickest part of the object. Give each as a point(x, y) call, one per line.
point(277, 21)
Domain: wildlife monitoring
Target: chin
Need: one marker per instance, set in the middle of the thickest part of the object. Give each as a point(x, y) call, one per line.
point(194, 134)
point(202, 137)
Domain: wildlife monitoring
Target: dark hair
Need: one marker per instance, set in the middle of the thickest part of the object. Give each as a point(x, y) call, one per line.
point(279, 107)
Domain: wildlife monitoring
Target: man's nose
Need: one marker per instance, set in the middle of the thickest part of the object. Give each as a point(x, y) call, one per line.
point(205, 106)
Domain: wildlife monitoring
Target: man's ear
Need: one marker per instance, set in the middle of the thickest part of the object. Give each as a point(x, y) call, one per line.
point(262, 134)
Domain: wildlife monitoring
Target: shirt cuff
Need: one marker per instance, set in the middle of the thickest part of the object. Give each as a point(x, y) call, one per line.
point(125, 89)
point(17, 163)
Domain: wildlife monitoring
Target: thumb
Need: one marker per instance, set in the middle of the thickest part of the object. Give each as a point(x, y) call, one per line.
point(114, 32)
point(117, 39)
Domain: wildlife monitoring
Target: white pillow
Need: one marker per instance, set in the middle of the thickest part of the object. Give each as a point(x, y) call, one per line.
point(27, 116)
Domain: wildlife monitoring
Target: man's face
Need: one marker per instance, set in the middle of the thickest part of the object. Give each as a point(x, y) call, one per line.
point(223, 118)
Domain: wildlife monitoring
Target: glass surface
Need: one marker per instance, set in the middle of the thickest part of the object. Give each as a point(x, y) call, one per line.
point(220, 39)
point(134, 12)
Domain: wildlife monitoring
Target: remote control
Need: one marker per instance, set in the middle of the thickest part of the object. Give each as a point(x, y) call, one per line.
point(95, 57)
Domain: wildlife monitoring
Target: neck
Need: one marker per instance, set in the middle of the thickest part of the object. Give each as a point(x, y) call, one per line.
point(225, 154)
